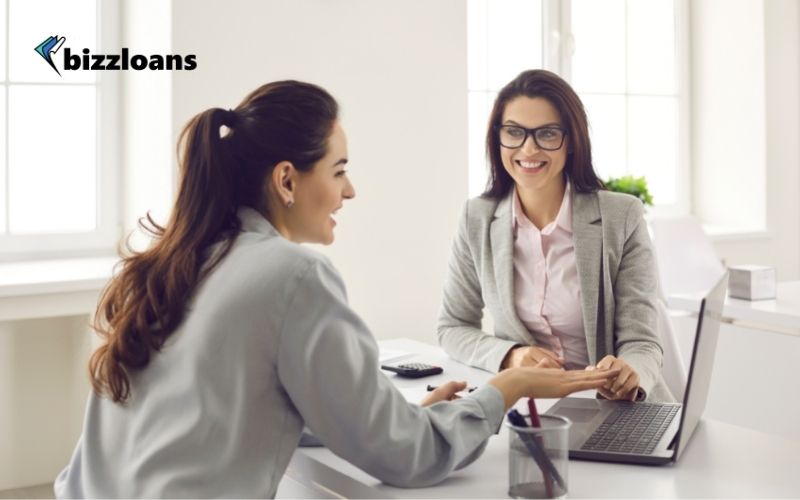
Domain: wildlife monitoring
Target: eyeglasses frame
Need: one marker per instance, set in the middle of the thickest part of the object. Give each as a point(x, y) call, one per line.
point(532, 133)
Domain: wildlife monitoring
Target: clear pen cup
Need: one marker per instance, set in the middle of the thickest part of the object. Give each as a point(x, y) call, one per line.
point(538, 458)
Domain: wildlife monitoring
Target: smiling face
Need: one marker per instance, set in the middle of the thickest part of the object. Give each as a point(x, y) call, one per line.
point(532, 168)
point(321, 192)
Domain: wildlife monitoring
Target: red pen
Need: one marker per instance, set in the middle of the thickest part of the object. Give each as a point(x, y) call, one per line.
point(537, 423)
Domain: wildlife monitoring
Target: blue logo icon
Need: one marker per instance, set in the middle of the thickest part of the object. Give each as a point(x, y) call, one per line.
point(49, 47)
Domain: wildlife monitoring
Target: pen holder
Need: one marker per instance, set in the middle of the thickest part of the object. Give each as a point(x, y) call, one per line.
point(538, 458)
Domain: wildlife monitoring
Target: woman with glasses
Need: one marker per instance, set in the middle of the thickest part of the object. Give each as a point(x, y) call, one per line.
point(226, 336)
point(565, 267)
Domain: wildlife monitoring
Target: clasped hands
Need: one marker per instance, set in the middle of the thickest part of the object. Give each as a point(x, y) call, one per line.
point(624, 386)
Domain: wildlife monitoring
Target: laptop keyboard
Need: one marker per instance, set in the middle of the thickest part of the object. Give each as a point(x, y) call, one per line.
point(632, 428)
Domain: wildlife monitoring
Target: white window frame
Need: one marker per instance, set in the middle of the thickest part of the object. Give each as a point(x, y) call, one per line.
point(103, 240)
point(558, 45)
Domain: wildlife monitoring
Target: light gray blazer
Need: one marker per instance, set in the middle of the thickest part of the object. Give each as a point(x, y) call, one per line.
point(268, 345)
point(616, 271)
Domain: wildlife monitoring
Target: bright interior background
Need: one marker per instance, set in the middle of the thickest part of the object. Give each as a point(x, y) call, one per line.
point(399, 70)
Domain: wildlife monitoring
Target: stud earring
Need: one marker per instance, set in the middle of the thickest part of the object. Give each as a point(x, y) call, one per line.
point(289, 204)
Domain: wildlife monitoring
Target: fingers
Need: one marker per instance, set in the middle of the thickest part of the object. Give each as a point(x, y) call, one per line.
point(624, 385)
point(603, 376)
point(448, 390)
point(606, 362)
point(551, 355)
point(532, 356)
point(626, 382)
point(547, 362)
point(605, 393)
point(445, 392)
point(621, 379)
point(631, 386)
point(589, 379)
point(584, 385)
point(609, 362)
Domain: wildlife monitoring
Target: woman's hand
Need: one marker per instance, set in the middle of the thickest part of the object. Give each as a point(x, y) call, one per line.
point(445, 392)
point(531, 356)
point(624, 386)
point(539, 382)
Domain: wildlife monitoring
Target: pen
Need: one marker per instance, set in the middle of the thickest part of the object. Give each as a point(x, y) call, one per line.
point(542, 460)
point(434, 387)
point(537, 423)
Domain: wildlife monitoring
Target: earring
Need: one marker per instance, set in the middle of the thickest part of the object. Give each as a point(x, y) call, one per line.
point(289, 204)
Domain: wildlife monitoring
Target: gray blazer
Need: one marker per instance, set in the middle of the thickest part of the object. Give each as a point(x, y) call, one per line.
point(616, 270)
point(269, 344)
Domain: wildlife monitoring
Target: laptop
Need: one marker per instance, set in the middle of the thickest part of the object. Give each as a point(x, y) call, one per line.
point(648, 433)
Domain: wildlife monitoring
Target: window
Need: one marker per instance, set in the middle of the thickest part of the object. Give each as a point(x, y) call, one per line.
point(57, 131)
point(625, 58)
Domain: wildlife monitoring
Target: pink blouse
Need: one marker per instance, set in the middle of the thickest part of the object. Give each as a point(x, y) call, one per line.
point(547, 294)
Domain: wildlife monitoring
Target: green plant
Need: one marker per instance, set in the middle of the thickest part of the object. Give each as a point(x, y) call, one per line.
point(637, 186)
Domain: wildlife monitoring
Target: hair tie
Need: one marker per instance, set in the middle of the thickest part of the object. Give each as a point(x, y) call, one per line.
point(229, 118)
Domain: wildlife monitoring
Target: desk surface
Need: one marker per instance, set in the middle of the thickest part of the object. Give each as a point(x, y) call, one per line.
point(721, 460)
point(781, 314)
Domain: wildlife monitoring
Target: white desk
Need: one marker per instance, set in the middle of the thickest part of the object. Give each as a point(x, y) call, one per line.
point(781, 314)
point(721, 460)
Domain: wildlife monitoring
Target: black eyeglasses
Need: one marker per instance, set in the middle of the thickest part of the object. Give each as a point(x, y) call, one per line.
point(548, 138)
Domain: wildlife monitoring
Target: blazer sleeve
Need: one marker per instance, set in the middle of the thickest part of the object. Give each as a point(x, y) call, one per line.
point(328, 366)
point(636, 337)
point(459, 323)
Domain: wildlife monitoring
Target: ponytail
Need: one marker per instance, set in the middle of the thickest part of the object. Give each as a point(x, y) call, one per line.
point(145, 303)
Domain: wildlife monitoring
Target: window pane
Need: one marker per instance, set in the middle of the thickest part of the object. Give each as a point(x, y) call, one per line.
point(515, 39)
point(651, 47)
point(598, 64)
point(652, 144)
point(3, 27)
point(31, 23)
point(52, 158)
point(607, 131)
point(480, 105)
point(2, 164)
point(477, 58)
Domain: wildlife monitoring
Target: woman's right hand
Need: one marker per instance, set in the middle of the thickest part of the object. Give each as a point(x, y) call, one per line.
point(531, 356)
point(540, 382)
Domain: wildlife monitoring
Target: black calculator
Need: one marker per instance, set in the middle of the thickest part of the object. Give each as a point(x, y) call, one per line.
point(413, 370)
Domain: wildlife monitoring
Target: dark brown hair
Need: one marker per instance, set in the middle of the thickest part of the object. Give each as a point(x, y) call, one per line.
point(146, 300)
point(541, 83)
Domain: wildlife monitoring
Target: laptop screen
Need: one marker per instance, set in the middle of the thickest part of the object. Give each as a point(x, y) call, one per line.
point(705, 346)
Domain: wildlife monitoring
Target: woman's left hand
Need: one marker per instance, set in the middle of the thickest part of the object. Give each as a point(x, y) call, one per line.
point(625, 386)
point(445, 392)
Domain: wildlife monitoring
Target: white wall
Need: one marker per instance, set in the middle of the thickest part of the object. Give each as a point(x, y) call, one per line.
point(147, 142)
point(737, 89)
point(43, 389)
point(728, 134)
point(398, 70)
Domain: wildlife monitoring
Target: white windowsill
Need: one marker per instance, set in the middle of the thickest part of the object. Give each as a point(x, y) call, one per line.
point(731, 233)
point(51, 288)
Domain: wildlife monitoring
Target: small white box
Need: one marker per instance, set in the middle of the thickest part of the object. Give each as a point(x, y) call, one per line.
point(751, 282)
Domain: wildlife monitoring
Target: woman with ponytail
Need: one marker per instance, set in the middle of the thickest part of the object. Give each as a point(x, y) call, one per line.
point(226, 336)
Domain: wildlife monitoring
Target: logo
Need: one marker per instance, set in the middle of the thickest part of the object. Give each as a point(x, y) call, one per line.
point(48, 47)
point(112, 62)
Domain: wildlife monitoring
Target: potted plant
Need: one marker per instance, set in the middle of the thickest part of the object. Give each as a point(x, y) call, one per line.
point(636, 186)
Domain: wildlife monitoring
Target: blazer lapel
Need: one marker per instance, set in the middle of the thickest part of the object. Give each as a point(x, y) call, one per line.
point(587, 233)
point(502, 245)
